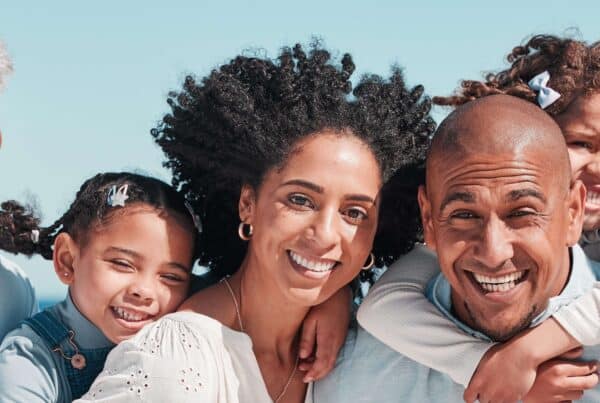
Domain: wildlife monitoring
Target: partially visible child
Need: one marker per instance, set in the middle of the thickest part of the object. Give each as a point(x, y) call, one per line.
point(562, 76)
point(125, 248)
point(17, 295)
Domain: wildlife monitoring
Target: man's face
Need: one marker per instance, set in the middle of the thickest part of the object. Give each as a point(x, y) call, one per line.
point(501, 224)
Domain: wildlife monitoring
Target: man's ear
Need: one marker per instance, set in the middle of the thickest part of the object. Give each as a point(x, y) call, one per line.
point(247, 204)
point(576, 212)
point(64, 255)
point(426, 218)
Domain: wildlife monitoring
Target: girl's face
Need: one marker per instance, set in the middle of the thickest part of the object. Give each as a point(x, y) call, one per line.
point(580, 124)
point(314, 218)
point(131, 270)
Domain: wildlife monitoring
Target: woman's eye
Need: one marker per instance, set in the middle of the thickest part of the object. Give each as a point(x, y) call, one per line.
point(300, 200)
point(355, 215)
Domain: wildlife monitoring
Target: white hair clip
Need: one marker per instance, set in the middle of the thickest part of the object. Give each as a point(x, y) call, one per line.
point(35, 236)
point(546, 95)
point(195, 217)
point(117, 197)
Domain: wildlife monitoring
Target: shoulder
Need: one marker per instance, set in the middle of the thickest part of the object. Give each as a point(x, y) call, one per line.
point(27, 366)
point(17, 295)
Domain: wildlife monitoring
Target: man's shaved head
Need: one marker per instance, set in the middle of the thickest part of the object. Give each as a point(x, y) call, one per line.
point(500, 210)
point(498, 124)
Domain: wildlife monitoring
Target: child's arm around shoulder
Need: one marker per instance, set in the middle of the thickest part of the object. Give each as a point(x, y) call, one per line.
point(27, 370)
point(397, 312)
point(581, 318)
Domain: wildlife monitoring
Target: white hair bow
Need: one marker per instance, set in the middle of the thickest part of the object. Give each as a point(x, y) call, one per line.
point(546, 95)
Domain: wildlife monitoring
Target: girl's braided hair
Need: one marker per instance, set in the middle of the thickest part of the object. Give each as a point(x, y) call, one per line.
point(574, 68)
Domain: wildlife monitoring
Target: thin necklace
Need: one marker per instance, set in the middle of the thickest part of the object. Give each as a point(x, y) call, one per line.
point(241, 324)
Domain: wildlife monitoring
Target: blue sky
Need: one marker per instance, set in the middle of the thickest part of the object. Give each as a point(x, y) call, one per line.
point(91, 79)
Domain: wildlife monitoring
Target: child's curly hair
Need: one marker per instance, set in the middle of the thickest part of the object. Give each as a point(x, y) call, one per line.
point(245, 117)
point(574, 68)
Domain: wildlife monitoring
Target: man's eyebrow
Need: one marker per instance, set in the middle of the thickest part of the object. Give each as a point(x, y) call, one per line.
point(300, 182)
point(517, 194)
point(466, 197)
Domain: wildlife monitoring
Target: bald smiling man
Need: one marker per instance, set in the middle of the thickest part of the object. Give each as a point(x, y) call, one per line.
point(498, 202)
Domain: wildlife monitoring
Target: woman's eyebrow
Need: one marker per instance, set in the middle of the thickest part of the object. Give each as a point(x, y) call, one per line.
point(301, 182)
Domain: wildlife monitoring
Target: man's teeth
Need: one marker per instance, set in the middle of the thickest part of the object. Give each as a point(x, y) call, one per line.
point(592, 197)
point(311, 264)
point(499, 283)
point(129, 315)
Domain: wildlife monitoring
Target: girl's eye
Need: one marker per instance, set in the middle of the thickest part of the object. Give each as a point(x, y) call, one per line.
point(581, 144)
point(301, 201)
point(122, 264)
point(172, 277)
point(355, 215)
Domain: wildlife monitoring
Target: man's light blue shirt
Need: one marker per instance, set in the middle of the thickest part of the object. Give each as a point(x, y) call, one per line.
point(369, 371)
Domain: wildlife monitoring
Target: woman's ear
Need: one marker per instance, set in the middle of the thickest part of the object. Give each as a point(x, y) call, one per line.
point(64, 255)
point(247, 204)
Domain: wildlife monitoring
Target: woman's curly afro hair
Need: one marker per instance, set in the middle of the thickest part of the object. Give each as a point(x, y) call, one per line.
point(574, 68)
point(245, 117)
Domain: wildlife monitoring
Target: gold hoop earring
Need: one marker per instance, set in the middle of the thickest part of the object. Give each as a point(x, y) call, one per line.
point(245, 231)
point(370, 263)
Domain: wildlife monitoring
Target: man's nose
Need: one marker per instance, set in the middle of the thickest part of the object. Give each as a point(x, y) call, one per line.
point(495, 245)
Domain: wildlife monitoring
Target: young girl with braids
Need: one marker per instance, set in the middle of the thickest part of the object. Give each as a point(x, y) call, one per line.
point(562, 76)
point(125, 248)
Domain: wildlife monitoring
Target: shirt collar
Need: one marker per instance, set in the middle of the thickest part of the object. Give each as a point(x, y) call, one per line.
point(584, 273)
point(87, 335)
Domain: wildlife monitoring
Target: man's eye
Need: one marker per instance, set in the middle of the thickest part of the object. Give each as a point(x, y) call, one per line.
point(521, 213)
point(463, 215)
point(300, 200)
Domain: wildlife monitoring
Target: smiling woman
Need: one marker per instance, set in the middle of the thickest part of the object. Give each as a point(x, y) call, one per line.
point(288, 174)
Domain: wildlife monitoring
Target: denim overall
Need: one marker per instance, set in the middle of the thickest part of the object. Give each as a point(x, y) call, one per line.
point(56, 335)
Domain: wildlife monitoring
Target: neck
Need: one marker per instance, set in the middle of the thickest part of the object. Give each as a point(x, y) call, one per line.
point(270, 319)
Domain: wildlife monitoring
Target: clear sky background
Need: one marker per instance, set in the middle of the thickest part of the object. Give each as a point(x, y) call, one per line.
point(91, 78)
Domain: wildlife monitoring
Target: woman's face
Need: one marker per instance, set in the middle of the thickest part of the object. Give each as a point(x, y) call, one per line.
point(580, 124)
point(314, 218)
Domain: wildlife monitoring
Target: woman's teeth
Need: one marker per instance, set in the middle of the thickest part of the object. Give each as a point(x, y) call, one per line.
point(311, 265)
point(129, 315)
point(499, 283)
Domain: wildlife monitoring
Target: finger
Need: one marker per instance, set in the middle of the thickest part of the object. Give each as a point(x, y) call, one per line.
point(569, 396)
point(324, 358)
point(582, 382)
point(572, 354)
point(308, 338)
point(575, 369)
point(306, 364)
point(470, 395)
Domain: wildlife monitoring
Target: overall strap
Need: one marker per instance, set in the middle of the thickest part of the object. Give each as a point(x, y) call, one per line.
point(48, 327)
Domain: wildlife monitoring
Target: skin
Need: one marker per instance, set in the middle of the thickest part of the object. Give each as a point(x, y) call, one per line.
point(140, 262)
point(322, 204)
point(580, 124)
point(490, 208)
